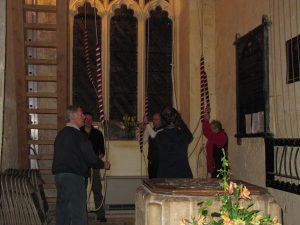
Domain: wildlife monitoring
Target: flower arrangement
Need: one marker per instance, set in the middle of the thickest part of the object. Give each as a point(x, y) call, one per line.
point(129, 123)
point(232, 211)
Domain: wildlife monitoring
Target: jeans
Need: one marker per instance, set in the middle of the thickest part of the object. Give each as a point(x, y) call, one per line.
point(71, 199)
point(97, 191)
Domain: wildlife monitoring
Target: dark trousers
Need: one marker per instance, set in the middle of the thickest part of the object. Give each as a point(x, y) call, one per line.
point(152, 168)
point(218, 155)
point(97, 191)
point(71, 199)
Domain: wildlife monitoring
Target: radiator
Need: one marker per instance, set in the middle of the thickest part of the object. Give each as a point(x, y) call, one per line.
point(120, 196)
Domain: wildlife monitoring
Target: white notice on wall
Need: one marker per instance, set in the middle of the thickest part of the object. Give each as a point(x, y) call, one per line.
point(261, 122)
point(248, 118)
point(258, 122)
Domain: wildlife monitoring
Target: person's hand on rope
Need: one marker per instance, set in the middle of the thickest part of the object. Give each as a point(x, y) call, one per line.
point(207, 113)
point(145, 120)
point(106, 165)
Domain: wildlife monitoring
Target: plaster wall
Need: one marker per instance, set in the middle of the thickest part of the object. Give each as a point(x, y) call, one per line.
point(248, 160)
point(194, 23)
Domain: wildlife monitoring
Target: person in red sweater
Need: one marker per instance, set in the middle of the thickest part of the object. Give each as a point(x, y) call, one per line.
point(216, 141)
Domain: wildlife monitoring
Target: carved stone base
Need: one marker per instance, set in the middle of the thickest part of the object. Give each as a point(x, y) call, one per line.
point(166, 201)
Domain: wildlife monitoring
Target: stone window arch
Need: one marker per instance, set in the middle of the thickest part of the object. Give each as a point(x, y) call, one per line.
point(106, 10)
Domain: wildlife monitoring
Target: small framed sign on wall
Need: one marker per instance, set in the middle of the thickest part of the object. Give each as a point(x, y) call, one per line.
point(252, 82)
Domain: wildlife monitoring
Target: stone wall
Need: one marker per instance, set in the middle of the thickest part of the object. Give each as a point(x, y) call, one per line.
point(248, 160)
point(190, 54)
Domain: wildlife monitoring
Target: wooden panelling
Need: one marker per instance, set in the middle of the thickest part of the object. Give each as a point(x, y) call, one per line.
point(62, 60)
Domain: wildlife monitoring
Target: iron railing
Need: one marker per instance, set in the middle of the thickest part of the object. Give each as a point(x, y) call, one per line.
point(283, 164)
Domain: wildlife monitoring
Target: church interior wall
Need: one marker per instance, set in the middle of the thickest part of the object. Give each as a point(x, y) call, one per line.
point(222, 20)
point(248, 159)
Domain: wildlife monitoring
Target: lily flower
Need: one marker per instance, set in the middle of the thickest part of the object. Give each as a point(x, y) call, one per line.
point(244, 193)
point(239, 222)
point(227, 220)
point(256, 220)
point(231, 187)
point(275, 221)
point(200, 220)
point(182, 222)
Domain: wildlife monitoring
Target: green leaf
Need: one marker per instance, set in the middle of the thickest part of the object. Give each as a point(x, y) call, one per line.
point(187, 221)
point(250, 205)
point(236, 192)
point(209, 202)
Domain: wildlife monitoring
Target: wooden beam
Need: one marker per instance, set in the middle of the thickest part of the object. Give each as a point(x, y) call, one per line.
point(3, 49)
point(40, 26)
point(40, 62)
point(40, 44)
point(41, 78)
point(62, 60)
point(41, 94)
point(41, 8)
point(40, 142)
point(41, 157)
point(42, 111)
point(16, 11)
point(43, 126)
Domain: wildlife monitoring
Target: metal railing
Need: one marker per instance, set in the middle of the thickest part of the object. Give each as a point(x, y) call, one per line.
point(283, 164)
point(21, 198)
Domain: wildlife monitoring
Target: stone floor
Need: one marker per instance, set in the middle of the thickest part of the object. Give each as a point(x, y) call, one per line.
point(122, 219)
point(115, 220)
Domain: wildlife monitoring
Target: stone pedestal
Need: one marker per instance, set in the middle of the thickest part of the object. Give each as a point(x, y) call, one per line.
point(166, 201)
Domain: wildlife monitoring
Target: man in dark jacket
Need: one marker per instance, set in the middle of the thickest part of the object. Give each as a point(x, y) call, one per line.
point(73, 155)
point(96, 137)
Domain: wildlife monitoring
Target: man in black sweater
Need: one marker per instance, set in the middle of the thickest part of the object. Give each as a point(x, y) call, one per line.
point(73, 155)
point(96, 137)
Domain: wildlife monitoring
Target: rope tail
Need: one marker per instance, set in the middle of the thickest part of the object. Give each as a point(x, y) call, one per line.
point(87, 58)
point(99, 83)
point(204, 94)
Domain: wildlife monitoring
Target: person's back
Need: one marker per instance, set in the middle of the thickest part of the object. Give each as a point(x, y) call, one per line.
point(68, 157)
point(173, 143)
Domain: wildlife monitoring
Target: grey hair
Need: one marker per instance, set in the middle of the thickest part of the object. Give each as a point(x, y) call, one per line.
point(69, 110)
point(217, 125)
